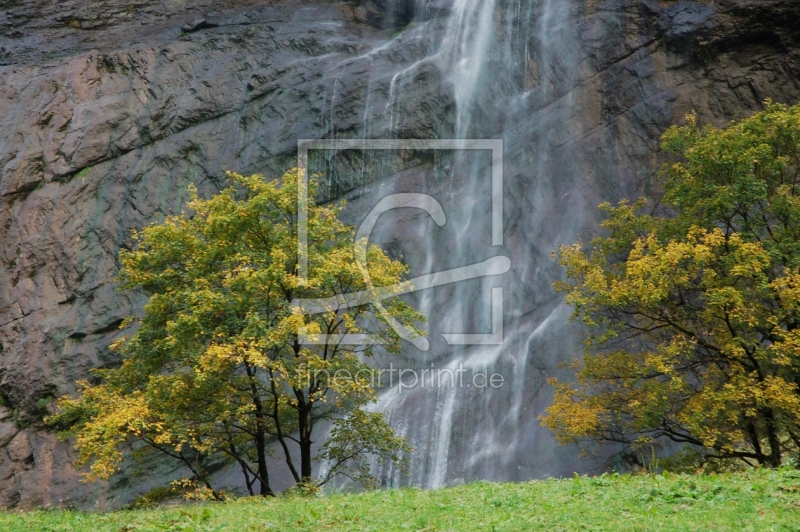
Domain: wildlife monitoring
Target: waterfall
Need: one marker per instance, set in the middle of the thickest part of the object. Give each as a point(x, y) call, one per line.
point(469, 34)
point(512, 68)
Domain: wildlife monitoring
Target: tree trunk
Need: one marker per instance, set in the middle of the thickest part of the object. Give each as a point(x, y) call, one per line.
point(305, 443)
point(756, 443)
point(774, 459)
point(261, 440)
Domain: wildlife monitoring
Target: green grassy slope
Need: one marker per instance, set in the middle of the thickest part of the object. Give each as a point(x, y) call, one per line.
point(757, 501)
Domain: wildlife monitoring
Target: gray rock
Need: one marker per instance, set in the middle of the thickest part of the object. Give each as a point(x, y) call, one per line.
point(8, 430)
point(197, 25)
point(20, 447)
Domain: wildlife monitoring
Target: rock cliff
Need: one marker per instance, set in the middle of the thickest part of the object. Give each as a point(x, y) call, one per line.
point(110, 108)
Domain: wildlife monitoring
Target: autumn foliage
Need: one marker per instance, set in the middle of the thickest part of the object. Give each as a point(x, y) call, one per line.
point(218, 370)
point(693, 306)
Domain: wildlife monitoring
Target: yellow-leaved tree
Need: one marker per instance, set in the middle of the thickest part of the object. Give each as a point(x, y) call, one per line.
point(223, 365)
point(694, 312)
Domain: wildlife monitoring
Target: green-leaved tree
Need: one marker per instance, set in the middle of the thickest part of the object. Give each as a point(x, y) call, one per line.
point(222, 364)
point(695, 312)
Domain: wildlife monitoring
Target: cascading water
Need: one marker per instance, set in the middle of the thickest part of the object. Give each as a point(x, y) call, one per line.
point(511, 70)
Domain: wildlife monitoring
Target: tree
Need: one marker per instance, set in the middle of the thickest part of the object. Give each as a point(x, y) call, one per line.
point(224, 362)
point(694, 313)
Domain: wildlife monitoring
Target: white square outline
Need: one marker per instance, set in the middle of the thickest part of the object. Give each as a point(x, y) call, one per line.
point(494, 145)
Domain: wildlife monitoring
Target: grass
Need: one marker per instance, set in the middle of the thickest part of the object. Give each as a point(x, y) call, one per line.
point(758, 500)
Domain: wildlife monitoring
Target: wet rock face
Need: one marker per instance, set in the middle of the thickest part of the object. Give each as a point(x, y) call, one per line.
point(109, 109)
point(383, 14)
